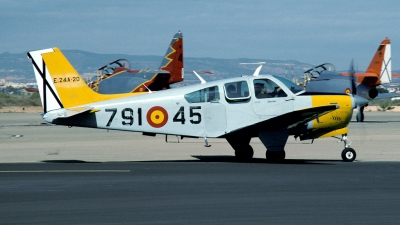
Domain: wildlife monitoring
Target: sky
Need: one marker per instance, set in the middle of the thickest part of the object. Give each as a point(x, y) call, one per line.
point(309, 31)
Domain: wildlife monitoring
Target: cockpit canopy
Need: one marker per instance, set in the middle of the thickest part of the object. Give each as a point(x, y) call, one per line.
point(316, 71)
point(110, 67)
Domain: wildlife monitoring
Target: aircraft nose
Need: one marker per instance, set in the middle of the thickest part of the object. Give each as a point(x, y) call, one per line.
point(358, 101)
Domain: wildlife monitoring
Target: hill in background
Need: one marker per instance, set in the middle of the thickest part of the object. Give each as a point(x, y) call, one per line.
point(16, 67)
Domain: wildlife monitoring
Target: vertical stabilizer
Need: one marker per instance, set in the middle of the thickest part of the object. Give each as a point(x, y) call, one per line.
point(386, 71)
point(59, 84)
point(381, 63)
point(48, 93)
point(173, 59)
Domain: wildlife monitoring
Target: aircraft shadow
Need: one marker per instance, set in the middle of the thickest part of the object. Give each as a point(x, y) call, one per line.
point(232, 159)
point(66, 161)
point(219, 159)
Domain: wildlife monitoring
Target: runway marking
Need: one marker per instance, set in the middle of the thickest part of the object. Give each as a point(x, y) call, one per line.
point(66, 171)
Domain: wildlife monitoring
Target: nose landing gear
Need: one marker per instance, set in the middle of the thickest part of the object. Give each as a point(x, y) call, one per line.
point(348, 154)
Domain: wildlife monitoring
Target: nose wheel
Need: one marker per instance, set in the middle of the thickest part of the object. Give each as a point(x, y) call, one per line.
point(348, 155)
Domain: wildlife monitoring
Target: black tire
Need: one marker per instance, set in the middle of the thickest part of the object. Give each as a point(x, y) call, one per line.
point(275, 156)
point(244, 154)
point(348, 155)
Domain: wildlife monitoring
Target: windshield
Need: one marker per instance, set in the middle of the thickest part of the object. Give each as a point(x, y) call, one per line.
point(289, 84)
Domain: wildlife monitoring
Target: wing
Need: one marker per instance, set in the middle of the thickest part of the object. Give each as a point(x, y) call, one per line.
point(289, 121)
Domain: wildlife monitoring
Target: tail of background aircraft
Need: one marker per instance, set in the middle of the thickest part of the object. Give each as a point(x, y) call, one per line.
point(173, 59)
point(59, 84)
point(381, 63)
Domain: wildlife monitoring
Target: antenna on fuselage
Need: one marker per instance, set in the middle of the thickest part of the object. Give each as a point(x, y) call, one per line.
point(147, 88)
point(257, 71)
point(198, 76)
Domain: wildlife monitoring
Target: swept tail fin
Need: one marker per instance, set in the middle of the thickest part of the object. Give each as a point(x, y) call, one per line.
point(173, 59)
point(381, 63)
point(59, 84)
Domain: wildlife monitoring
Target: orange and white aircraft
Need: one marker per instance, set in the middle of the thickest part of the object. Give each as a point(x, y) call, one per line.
point(363, 84)
point(117, 77)
point(379, 71)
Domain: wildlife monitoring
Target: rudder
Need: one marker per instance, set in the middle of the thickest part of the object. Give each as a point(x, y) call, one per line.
point(381, 63)
point(173, 59)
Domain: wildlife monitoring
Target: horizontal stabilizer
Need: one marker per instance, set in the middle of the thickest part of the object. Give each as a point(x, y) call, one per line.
point(74, 111)
point(66, 113)
point(387, 95)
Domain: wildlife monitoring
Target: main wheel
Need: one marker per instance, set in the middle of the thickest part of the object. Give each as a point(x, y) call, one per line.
point(275, 156)
point(244, 154)
point(348, 155)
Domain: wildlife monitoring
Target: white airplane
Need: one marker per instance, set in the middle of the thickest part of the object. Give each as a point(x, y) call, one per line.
point(237, 109)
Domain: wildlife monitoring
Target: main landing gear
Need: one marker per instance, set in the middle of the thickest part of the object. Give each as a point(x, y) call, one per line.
point(275, 143)
point(245, 153)
point(360, 114)
point(241, 145)
point(275, 156)
point(348, 154)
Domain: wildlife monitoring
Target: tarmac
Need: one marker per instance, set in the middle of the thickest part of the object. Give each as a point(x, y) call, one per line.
point(59, 175)
point(25, 137)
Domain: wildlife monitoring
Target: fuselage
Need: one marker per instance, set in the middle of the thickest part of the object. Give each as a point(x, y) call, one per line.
point(209, 110)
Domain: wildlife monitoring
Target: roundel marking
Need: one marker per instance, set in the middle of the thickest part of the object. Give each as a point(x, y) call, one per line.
point(157, 116)
point(347, 91)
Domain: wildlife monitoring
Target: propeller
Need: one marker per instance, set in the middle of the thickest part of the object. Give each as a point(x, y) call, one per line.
point(360, 102)
point(353, 78)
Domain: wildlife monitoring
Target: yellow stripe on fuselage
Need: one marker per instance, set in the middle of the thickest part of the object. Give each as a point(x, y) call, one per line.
point(335, 122)
point(71, 88)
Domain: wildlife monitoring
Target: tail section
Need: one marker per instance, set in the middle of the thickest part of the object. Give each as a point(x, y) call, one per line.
point(59, 84)
point(173, 59)
point(381, 63)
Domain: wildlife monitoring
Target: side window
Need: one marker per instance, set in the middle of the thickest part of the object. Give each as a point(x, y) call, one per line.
point(265, 88)
point(237, 91)
point(210, 94)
